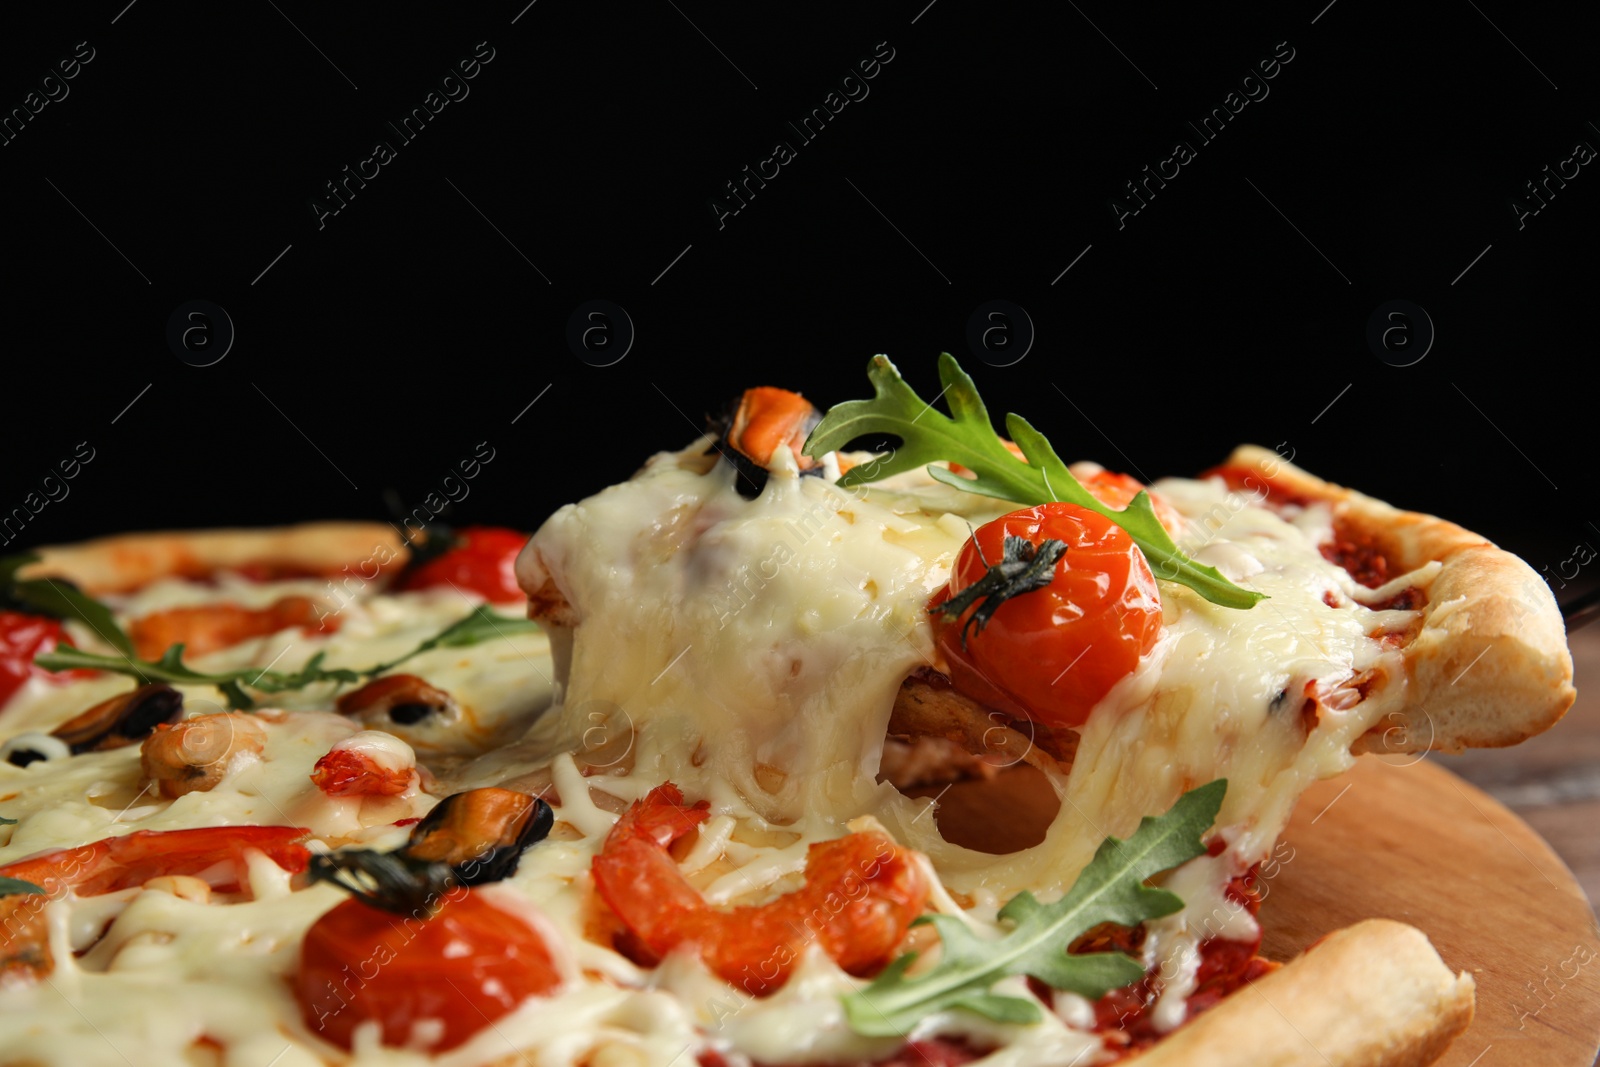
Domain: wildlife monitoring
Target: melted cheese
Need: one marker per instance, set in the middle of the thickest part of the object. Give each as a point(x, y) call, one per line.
point(750, 651)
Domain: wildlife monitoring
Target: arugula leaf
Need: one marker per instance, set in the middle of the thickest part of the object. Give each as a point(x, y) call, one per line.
point(7, 822)
point(65, 601)
point(58, 599)
point(8, 886)
point(1111, 889)
point(171, 669)
point(481, 625)
point(10, 565)
point(966, 436)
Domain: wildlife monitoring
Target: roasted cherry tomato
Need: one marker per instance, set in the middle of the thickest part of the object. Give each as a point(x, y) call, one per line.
point(22, 637)
point(462, 968)
point(483, 560)
point(1054, 652)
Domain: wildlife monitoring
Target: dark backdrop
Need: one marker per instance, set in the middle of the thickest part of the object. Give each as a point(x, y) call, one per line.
point(375, 347)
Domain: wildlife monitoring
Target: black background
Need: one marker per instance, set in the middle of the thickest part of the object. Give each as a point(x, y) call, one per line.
point(384, 345)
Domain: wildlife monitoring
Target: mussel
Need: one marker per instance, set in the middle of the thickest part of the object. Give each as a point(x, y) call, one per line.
point(403, 699)
point(761, 420)
point(123, 720)
point(468, 839)
point(481, 833)
point(25, 941)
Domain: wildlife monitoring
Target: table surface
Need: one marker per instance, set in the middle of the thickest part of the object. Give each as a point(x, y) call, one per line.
point(1404, 839)
point(1553, 780)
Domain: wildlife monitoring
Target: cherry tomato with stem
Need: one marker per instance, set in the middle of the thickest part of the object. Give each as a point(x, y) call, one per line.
point(1054, 652)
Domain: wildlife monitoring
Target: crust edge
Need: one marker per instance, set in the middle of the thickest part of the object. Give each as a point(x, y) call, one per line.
point(1490, 665)
point(122, 562)
point(1375, 994)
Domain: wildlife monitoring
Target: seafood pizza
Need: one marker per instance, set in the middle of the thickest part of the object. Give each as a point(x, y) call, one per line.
point(659, 784)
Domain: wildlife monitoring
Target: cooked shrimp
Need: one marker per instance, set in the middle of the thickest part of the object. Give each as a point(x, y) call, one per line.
point(861, 892)
point(166, 859)
point(367, 764)
point(197, 753)
point(210, 627)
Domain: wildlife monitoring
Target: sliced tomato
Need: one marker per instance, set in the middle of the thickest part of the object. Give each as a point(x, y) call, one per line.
point(22, 637)
point(1055, 652)
point(461, 968)
point(482, 560)
point(215, 853)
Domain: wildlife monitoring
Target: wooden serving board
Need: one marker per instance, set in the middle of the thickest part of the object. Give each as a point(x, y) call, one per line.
point(1400, 838)
point(1404, 839)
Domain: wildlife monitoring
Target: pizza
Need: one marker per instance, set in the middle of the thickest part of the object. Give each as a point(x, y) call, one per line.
point(662, 783)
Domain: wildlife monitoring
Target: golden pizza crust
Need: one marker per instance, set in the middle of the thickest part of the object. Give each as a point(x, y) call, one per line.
point(124, 562)
point(1490, 665)
point(1375, 994)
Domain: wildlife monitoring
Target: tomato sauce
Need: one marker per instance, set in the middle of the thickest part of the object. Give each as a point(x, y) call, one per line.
point(1122, 1016)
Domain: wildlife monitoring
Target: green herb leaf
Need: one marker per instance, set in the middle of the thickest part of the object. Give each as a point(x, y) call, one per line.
point(9, 886)
point(65, 601)
point(481, 625)
point(7, 822)
point(966, 436)
point(1111, 889)
point(59, 600)
point(170, 669)
point(10, 565)
point(313, 671)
